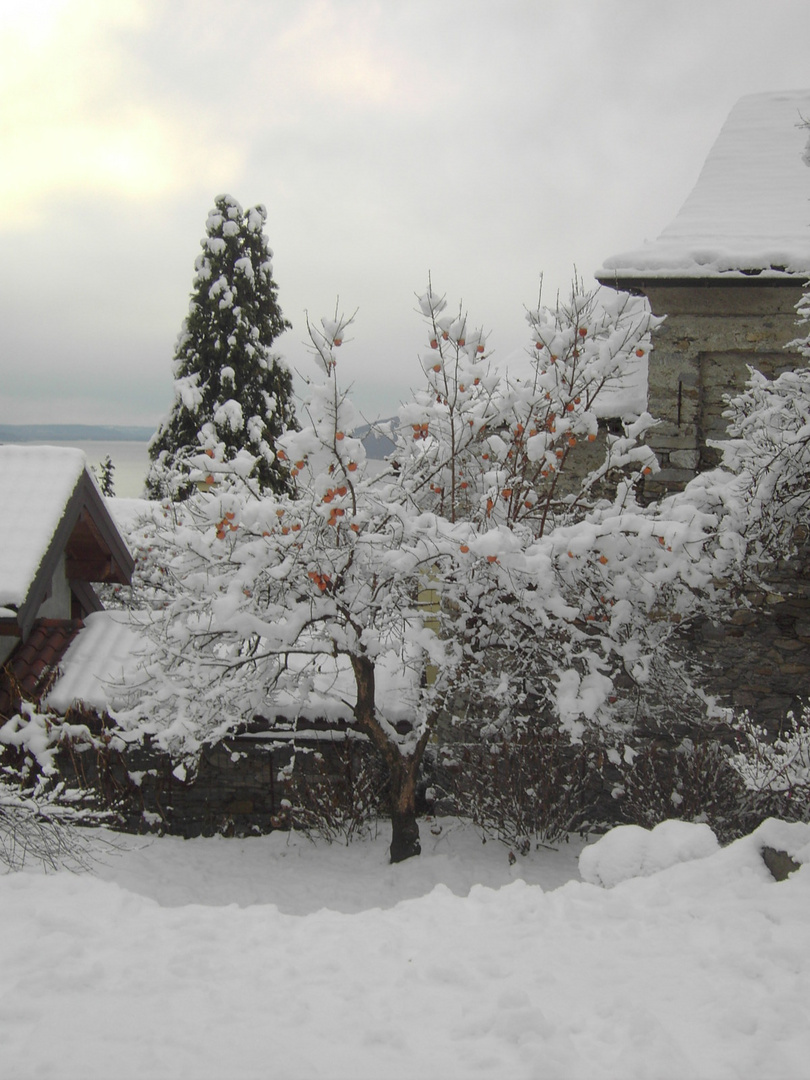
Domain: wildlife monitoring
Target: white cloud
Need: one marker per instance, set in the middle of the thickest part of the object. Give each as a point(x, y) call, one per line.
point(71, 124)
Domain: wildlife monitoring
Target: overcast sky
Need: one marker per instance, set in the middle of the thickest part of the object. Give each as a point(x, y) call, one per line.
point(483, 142)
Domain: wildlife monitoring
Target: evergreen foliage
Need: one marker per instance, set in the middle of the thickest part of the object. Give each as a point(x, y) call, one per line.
point(231, 393)
point(105, 476)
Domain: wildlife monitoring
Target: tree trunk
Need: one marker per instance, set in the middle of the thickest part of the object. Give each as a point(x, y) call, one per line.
point(402, 771)
point(404, 826)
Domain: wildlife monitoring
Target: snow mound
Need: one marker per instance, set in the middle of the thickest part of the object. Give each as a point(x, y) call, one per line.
point(630, 851)
point(273, 956)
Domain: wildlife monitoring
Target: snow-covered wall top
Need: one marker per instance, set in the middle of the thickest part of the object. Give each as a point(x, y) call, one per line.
point(37, 484)
point(750, 208)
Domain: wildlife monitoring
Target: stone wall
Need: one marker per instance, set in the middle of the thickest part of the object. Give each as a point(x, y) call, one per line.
point(759, 656)
point(712, 332)
point(236, 790)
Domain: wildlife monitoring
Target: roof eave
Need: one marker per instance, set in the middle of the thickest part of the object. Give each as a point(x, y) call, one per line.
point(639, 282)
point(85, 496)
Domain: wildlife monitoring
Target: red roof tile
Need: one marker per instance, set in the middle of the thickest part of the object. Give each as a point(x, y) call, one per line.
point(31, 669)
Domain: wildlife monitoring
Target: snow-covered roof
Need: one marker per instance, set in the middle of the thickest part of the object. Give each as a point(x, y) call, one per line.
point(108, 658)
point(38, 482)
point(750, 209)
point(94, 668)
point(52, 507)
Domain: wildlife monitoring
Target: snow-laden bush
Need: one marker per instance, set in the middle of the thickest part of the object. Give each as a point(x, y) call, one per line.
point(31, 832)
point(40, 813)
point(769, 452)
point(335, 793)
point(525, 786)
point(688, 780)
point(776, 771)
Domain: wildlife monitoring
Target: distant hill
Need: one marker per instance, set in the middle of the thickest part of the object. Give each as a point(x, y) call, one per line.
point(377, 446)
point(20, 433)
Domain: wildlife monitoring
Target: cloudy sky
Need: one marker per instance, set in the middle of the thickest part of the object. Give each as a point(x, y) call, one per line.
point(483, 142)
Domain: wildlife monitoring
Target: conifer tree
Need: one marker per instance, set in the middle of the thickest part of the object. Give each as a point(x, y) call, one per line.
point(231, 393)
point(104, 475)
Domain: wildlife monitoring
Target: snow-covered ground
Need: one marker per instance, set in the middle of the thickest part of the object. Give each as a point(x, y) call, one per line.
point(276, 958)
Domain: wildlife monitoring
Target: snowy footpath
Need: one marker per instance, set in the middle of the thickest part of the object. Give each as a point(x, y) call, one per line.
point(280, 959)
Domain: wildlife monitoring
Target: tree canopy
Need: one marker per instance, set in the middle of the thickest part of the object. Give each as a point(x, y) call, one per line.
point(465, 573)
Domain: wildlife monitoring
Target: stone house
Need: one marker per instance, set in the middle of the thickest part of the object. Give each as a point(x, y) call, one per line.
point(727, 273)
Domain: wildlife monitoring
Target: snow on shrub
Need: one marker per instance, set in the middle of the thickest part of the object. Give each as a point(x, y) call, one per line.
point(475, 577)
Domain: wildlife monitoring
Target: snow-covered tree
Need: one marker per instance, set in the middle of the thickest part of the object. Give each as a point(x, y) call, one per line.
point(769, 451)
point(462, 571)
point(501, 445)
point(105, 476)
point(230, 392)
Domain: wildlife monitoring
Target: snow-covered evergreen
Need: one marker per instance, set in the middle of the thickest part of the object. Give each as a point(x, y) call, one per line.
point(231, 393)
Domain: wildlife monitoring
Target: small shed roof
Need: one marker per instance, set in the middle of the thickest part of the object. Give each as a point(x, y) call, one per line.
point(51, 505)
point(749, 213)
point(34, 666)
